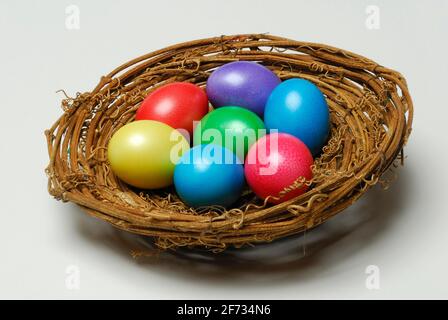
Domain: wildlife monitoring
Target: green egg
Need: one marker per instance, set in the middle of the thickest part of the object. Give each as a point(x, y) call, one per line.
point(232, 127)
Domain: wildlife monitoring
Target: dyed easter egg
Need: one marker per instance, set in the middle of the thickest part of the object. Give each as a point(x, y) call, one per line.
point(275, 162)
point(232, 127)
point(176, 104)
point(143, 153)
point(298, 107)
point(241, 83)
point(209, 175)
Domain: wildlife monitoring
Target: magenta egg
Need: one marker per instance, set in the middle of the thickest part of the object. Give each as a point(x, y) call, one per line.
point(275, 163)
point(244, 84)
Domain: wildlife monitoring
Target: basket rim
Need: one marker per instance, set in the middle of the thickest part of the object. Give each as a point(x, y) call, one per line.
point(341, 75)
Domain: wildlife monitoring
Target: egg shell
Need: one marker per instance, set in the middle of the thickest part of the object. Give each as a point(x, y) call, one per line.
point(209, 175)
point(176, 104)
point(245, 84)
point(274, 163)
point(144, 153)
point(298, 107)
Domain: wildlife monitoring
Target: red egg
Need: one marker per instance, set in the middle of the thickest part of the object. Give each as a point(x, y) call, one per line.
point(274, 163)
point(177, 104)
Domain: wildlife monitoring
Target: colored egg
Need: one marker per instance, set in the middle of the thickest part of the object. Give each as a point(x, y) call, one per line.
point(298, 107)
point(241, 83)
point(177, 104)
point(275, 163)
point(209, 175)
point(232, 127)
point(143, 153)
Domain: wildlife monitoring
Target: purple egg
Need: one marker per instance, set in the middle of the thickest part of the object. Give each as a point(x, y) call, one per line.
point(242, 83)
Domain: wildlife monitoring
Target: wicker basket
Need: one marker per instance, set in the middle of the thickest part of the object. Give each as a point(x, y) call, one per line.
point(371, 116)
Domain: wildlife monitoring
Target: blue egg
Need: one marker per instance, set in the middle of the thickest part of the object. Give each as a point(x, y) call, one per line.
point(298, 107)
point(209, 175)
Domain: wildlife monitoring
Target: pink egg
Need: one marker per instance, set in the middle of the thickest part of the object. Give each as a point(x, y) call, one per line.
point(274, 163)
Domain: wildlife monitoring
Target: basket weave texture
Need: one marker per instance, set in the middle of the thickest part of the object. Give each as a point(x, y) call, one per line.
point(371, 117)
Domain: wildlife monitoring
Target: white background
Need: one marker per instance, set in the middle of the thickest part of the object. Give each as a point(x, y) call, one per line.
point(403, 231)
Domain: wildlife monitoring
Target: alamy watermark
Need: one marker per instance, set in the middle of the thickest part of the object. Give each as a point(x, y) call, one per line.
point(72, 17)
point(373, 21)
point(73, 277)
point(373, 277)
point(236, 141)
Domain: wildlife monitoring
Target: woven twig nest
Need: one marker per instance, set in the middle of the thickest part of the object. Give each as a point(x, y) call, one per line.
point(371, 116)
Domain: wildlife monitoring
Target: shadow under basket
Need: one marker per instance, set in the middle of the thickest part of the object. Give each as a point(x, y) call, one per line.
point(371, 117)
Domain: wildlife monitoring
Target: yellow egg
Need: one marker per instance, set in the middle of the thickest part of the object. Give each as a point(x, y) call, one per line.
point(144, 153)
